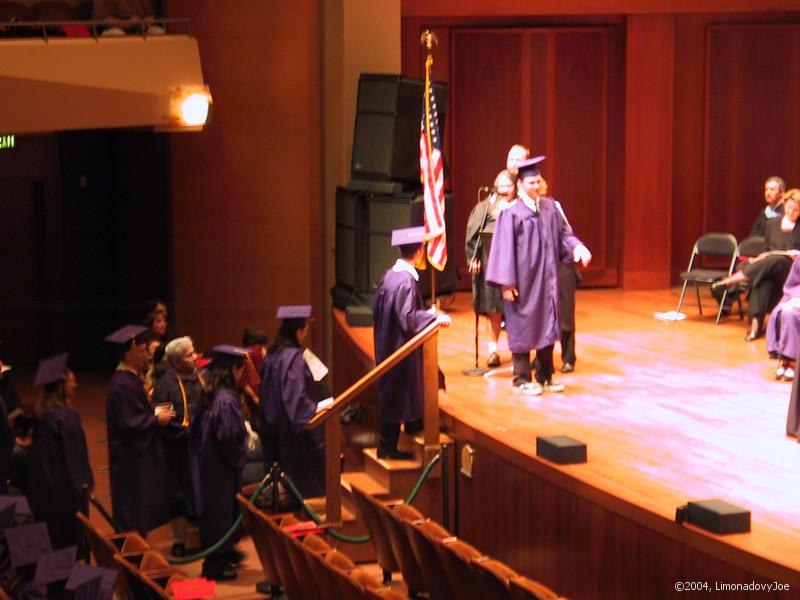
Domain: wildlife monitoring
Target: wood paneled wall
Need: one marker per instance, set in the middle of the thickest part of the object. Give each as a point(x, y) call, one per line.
point(707, 102)
point(247, 192)
point(585, 547)
point(558, 91)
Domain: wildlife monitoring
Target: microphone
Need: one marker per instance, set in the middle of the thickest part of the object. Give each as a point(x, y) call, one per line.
point(484, 188)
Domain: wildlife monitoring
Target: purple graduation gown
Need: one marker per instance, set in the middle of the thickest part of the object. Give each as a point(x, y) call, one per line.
point(220, 440)
point(289, 398)
point(59, 466)
point(783, 329)
point(526, 250)
point(136, 456)
point(399, 315)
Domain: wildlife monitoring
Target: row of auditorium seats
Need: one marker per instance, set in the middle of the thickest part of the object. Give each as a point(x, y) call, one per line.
point(433, 563)
point(48, 10)
point(144, 574)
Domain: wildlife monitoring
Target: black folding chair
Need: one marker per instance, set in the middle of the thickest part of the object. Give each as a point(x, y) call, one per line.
point(718, 245)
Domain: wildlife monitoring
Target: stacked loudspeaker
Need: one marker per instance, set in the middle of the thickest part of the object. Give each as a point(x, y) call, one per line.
point(384, 191)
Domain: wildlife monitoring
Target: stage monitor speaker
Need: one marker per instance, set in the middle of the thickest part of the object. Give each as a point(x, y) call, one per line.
point(350, 251)
point(385, 213)
point(387, 124)
point(364, 223)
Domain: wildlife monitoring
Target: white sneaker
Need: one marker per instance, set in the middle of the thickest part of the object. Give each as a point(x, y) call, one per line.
point(788, 374)
point(551, 386)
point(529, 389)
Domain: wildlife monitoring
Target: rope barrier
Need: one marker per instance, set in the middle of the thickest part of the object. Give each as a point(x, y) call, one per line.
point(360, 539)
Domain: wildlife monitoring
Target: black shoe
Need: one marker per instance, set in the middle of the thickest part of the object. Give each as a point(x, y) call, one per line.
point(219, 573)
point(494, 360)
point(236, 557)
point(395, 454)
point(178, 550)
point(567, 367)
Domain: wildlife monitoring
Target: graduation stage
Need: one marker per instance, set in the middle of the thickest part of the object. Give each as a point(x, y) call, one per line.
point(671, 412)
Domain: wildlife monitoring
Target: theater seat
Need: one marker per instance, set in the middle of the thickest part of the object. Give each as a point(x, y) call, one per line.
point(423, 535)
point(370, 513)
point(302, 570)
point(456, 556)
point(401, 547)
point(341, 567)
point(105, 546)
point(143, 586)
point(13, 11)
point(492, 577)
point(256, 526)
point(53, 11)
point(322, 573)
point(523, 588)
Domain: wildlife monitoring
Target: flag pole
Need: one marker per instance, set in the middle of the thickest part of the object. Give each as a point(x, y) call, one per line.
point(428, 39)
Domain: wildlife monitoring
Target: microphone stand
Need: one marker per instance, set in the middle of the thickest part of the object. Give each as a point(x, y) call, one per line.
point(477, 371)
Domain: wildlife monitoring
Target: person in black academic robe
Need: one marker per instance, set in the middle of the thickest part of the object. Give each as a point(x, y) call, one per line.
point(289, 399)
point(400, 314)
point(768, 271)
point(137, 466)
point(220, 441)
point(487, 299)
point(181, 387)
point(59, 463)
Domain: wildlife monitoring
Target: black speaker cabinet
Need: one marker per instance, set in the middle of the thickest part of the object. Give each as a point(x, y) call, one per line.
point(387, 125)
point(364, 224)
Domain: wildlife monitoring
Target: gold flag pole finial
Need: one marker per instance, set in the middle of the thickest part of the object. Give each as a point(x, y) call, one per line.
point(428, 39)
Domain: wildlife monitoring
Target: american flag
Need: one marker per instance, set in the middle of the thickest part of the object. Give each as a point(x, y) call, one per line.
point(432, 174)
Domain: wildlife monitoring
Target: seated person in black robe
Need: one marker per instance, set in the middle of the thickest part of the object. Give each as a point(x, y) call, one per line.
point(768, 271)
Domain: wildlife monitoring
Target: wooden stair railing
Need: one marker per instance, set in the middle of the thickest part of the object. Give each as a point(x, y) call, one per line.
point(427, 338)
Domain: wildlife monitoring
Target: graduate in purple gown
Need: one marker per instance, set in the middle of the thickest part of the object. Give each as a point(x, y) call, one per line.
point(783, 329)
point(181, 387)
point(400, 314)
point(136, 455)
point(529, 240)
point(220, 441)
point(289, 398)
point(59, 459)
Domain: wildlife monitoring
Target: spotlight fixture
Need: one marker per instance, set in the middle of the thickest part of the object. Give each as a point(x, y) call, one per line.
point(189, 107)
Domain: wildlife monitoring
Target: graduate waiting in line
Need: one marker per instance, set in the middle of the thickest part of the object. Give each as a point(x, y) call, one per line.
point(400, 314)
point(59, 459)
point(290, 397)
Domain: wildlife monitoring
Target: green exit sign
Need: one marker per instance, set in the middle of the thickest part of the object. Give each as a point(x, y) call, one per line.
point(8, 141)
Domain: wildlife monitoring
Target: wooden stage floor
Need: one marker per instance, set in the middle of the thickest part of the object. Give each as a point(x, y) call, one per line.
point(670, 411)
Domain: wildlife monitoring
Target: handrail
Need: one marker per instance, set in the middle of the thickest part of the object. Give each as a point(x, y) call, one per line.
point(359, 386)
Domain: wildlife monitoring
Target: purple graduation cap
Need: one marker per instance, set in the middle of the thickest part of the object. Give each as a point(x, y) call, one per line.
point(91, 583)
point(125, 335)
point(229, 351)
point(408, 235)
point(55, 566)
point(51, 370)
point(27, 543)
point(296, 311)
point(530, 167)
